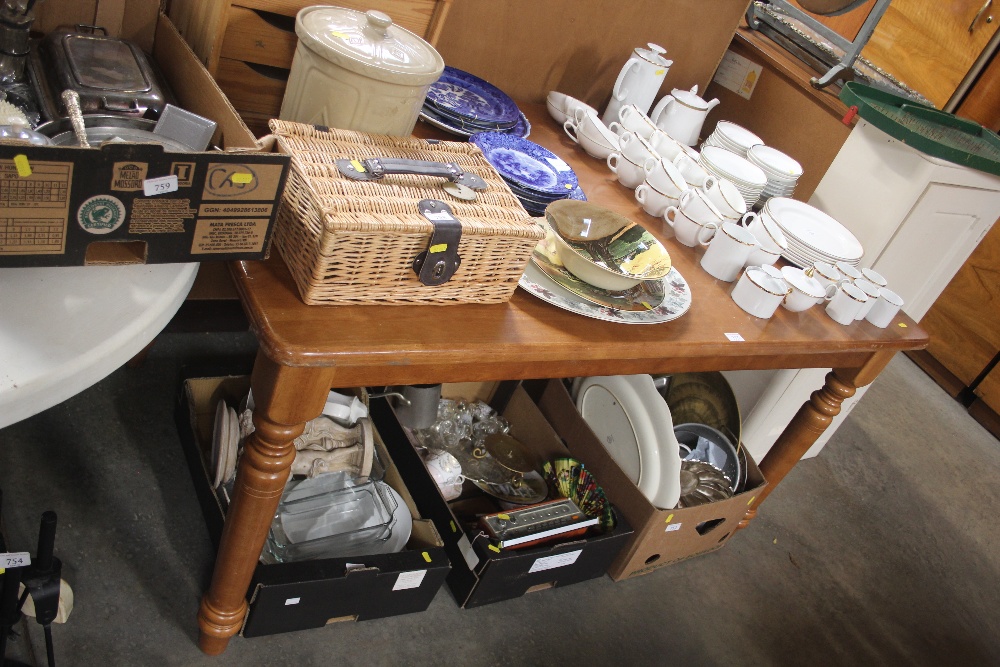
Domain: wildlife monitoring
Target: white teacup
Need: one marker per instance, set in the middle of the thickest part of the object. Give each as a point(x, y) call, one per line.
point(804, 290)
point(885, 308)
point(563, 107)
point(631, 117)
point(766, 230)
point(762, 256)
point(845, 303)
point(635, 148)
point(443, 467)
point(727, 251)
point(653, 201)
point(630, 174)
point(686, 230)
point(874, 276)
point(727, 198)
point(692, 170)
point(849, 271)
point(872, 291)
point(697, 206)
point(758, 292)
point(666, 178)
point(593, 136)
point(826, 274)
point(665, 145)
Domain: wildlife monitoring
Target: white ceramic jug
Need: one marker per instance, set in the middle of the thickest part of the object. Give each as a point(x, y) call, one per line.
point(639, 81)
point(681, 114)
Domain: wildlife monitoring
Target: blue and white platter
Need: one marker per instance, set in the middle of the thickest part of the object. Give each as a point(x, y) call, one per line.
point(522, 128)
point(526, 164)
point(463, 95)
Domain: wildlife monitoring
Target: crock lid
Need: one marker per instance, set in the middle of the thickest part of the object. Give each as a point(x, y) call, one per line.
point(370, 44)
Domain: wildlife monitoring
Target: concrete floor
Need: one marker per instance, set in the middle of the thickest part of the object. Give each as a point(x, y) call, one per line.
point(881, 551)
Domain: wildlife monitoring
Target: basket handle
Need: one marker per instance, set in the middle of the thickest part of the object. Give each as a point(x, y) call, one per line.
point(373, 169)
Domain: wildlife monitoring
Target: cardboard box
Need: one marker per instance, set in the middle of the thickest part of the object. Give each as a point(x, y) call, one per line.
point(69, 206)
point(481, 573)
point(661, 537)
point(310, 594)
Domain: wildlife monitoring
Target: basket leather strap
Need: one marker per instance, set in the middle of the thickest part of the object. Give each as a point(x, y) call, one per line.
point(437, 264)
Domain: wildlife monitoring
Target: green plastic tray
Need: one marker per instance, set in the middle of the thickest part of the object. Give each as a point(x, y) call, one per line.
point(936, 133)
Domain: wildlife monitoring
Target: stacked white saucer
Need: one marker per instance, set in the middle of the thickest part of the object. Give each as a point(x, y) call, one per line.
point(734, 138)
point(782, 171)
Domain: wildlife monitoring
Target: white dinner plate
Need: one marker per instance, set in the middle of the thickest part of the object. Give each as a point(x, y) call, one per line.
point(814, 229)
point(218, 465)
point(618, 416)
point(663, 424)
point(233, 443)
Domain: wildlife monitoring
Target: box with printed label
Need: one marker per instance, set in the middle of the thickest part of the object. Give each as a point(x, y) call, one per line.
point(661, 536)
point(312, 593)
point(482, 571)
point(124, 203)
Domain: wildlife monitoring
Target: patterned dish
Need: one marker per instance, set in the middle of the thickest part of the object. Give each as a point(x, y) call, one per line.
point(466, 95)
point(527, 164)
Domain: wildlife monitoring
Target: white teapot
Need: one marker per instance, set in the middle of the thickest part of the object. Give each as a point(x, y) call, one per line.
point(639, 81)
point(681, 114)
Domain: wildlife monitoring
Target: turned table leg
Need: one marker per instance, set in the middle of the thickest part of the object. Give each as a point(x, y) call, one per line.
point(810, 421)
point(285, 399)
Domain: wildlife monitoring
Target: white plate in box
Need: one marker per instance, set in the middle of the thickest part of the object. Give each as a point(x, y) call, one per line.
point(617, 414)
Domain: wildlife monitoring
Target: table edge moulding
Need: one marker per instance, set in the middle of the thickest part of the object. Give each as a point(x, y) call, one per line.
point(306, 350)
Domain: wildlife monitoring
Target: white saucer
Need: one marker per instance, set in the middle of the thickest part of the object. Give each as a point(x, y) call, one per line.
point(619, 417)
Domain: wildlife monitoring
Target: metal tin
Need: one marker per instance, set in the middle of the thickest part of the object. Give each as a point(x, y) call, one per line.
point(114, 128)
point(111, 75)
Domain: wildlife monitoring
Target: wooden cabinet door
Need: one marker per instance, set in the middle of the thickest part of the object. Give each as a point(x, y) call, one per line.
point(964, 322)
point(928, 44)
point(989, 390)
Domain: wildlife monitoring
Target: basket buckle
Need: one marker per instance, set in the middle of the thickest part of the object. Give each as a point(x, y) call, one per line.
point(437, 264)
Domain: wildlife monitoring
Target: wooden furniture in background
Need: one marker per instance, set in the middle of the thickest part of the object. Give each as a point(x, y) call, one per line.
point(305, 350)
point(986, 407)
point(247, 45)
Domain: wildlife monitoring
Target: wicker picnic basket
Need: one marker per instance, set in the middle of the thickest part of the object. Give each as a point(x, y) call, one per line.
point(354, 242)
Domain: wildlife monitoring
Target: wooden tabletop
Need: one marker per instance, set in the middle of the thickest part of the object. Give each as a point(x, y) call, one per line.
point(528, 338)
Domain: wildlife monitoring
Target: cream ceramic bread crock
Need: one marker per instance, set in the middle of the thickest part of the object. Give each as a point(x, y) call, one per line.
point(358, 71)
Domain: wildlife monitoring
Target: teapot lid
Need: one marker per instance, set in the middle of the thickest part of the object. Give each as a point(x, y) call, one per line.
point(368, 43)
point(653, 54)
point(690, 98)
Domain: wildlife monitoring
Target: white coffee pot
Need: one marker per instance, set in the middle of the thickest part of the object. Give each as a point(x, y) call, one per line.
point(639, 81)
point(681, 114)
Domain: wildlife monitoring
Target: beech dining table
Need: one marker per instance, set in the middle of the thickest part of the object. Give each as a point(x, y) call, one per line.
point(306, 350)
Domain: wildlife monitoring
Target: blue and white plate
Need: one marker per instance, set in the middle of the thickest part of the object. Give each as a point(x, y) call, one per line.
point(465, 95)
point(430, 116)
point(526, 164)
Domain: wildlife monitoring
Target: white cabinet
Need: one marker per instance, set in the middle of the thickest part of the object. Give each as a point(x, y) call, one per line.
point(918, 218)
